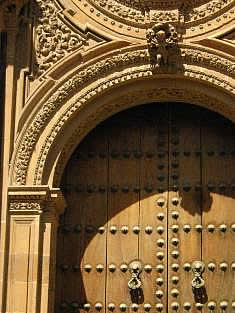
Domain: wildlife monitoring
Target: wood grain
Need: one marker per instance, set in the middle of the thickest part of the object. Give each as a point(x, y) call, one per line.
point(218, 208)
point(166, 166)
point(123, 209)
point(154, 174)
point(184, 171)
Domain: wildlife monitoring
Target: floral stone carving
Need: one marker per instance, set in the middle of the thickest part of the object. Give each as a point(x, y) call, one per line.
point(163, 48)
point(54, 39)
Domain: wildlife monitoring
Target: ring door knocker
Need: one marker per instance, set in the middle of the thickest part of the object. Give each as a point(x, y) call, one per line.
point(135, 268)
point(198, 268)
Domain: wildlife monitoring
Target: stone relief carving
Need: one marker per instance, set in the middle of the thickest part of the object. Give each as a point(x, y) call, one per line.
point(164, 16)
point(133, 12)
point(164, 93)
point(163, 48)
point(195, 17)
point(25, 206)
point(100, 69)
point(54, 39)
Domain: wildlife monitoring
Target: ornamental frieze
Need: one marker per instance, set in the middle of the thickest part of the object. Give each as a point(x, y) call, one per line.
point(25, 207)
point(98, 116)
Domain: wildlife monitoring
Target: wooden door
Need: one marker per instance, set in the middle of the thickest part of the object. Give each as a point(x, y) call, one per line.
point(154, 184)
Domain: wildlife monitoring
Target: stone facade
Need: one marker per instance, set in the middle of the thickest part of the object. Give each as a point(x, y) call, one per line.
point(67, 65)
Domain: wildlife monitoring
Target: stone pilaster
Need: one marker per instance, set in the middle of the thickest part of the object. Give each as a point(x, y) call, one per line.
point(33, 216)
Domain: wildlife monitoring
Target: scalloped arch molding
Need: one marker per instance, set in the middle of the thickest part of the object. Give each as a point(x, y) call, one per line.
point(100, 87)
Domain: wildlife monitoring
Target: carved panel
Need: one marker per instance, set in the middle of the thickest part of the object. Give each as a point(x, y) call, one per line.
point(54, 39)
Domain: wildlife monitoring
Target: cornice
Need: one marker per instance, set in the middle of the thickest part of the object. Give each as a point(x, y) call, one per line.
point(35, 200)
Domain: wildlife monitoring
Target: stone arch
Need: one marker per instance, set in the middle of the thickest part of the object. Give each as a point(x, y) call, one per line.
point(96, 90)
point(60, 114)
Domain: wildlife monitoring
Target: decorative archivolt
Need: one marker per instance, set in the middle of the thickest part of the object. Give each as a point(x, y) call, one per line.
point(193, 18)
point(58, 31)
point(133, 98)
point(89, 81)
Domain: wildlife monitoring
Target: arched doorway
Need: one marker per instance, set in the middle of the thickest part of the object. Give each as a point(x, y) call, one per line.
point(156, 184)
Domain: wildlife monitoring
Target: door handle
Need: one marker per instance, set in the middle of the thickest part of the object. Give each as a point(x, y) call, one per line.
point(135, 268)
point(198, 267)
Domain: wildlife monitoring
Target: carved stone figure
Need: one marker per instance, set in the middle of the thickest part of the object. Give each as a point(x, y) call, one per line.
point(162, 41)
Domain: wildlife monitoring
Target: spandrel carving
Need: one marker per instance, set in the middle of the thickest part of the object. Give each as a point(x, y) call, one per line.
point(54, 39)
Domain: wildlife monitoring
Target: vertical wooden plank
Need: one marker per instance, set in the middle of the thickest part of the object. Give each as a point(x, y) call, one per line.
point(95, 217)
point(84, 245)
point(123, 207)
point(59, 262)
point(184, 204)
point(218, 210)
point(72, 240)
point(153, 206)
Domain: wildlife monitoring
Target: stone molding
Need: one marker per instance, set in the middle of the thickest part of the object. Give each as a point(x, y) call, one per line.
point(193, 18)
point(37, 200)
point(133, 64)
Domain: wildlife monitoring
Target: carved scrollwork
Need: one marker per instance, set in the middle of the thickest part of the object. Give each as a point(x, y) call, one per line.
point(54, 39)
point(25, 207)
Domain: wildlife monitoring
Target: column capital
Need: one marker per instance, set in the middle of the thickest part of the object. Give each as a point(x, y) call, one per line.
point(33, 200)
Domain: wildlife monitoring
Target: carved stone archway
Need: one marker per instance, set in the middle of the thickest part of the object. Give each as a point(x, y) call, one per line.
point(79, 100)
point(77, 93)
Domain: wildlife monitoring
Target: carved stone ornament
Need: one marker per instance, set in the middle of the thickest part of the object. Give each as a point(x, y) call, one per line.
point(133, 17)
point(54, 39)
point(137, 63)
point(162, 42)
point(25, 207)
point(35, 200)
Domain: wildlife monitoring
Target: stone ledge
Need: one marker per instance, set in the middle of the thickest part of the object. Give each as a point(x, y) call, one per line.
point(35, 200)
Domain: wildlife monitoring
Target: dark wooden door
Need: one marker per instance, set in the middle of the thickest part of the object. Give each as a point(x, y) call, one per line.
point(154, 184)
